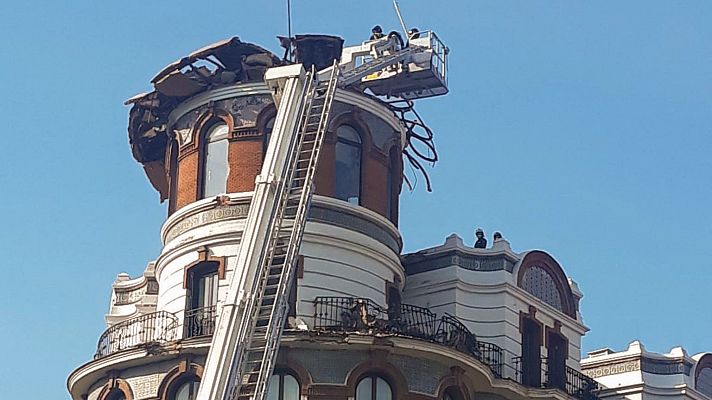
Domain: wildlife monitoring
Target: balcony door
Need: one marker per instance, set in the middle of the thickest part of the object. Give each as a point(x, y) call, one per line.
point(556, 346)
point(531, 353)
point(202, 299)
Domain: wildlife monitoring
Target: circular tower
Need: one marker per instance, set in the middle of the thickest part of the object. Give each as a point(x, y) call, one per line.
point(201, 137)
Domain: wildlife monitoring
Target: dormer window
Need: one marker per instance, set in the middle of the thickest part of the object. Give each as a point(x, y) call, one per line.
point(215, 167)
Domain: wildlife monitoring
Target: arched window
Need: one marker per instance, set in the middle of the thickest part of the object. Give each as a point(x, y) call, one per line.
point(348, 164)
point(283, 386)
point(541, 284)
point(185, 389)
point(373, 387)
point(267, 134)
point(215, 166)
point(116, 394)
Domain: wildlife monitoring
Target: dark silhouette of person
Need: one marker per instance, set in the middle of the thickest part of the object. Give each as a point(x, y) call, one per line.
point(376, 33)
point(496, 236)
point(413, 33)
point(481, 242)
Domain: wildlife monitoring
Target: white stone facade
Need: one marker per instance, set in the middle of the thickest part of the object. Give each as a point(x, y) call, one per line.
point(636, 373)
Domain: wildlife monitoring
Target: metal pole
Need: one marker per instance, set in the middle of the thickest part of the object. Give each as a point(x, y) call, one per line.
point(289, 29)
point(400, 18)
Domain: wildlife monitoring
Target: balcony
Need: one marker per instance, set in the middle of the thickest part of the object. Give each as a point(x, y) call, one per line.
point(569, 380)
point(349, 314)
point(158, 327)
point(200, 322)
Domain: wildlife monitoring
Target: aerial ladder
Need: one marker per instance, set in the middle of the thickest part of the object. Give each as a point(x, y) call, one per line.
point(249, 328)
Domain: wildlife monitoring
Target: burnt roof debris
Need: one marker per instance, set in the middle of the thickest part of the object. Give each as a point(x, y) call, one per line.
point(319, 51)
point(219, 64)
point(226, 54)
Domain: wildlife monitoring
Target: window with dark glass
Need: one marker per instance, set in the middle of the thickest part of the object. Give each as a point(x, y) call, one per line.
point(531, 353)
point(267, 134)
point(173, 176)
point(215, 164)
point(556, 360)
point(116, 394)
point(185, 390)
point(283, 386)
point(202, 299)
point(452, 394)
point(392, 183)
point(348, 164)
point(373, 387)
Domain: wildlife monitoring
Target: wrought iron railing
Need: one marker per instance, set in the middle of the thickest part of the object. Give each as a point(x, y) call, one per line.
point(581, 386)
point(199, 321)
point(350, 314)
point(150, 328)
point(563, 377)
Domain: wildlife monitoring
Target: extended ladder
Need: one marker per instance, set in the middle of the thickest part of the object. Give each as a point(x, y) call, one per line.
point(268, 315)
point(245, 344)
point(249, 329)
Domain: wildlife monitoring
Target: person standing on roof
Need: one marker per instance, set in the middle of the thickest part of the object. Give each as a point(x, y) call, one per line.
point(481, 242)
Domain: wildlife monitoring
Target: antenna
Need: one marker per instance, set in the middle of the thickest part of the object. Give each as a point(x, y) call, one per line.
point(400, 18)
point(289, 29)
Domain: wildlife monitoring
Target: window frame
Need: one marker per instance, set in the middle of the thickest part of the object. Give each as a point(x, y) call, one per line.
point(204, 145)
point(453, 393)
point(393, 184)
point(353, 145)
point(187, 378)
point(207, 318)
point(374, 376)
point(116, 394)
point(267, 133)
point(281, 373)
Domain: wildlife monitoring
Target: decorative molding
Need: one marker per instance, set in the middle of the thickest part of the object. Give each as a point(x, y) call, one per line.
point(134, 295)
point(145, 387)
point(666, 367)
point(612, 369)
point(467, 261)
point(356, 223)
point(237, 211)
point(648, 365)
point(317, 213)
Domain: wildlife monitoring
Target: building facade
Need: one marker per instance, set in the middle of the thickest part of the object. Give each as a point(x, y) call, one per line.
point(366, 322)
point(638, 374)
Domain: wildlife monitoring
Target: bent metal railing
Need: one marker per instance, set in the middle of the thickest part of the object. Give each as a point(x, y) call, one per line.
point(158, 327)
point(573, 382)
point(350, 314)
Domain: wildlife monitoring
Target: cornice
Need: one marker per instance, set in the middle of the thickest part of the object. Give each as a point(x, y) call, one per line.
point(250, 89)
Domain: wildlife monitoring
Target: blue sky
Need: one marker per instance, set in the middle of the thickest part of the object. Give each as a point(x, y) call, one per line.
point(581, 128)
